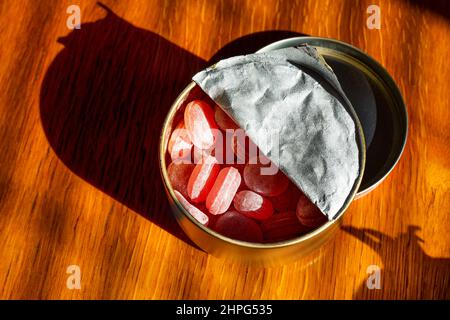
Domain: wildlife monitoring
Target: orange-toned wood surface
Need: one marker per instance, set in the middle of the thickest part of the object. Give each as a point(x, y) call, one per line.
point(81, 186)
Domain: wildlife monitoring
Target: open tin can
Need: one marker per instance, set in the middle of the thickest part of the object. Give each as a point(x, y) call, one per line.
point(385, 95)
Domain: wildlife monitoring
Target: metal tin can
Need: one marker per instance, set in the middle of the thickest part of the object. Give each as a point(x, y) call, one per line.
point(263, 253)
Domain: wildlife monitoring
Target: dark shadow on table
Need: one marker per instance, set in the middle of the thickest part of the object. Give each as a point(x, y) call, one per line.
point(408, 272)
point(103, 101)
point(441, 7)
point(252, 42)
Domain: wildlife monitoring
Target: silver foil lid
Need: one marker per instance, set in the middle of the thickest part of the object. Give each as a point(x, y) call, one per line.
point(290, 103)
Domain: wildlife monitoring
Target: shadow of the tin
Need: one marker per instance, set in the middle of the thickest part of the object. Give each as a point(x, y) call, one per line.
point(103, 101)
point(440, 7)
point(407, 272)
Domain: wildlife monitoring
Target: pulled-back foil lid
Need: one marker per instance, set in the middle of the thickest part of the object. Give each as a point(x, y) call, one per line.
point(290, 103)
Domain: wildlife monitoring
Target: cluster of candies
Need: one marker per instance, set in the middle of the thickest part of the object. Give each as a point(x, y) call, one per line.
point(223, 186)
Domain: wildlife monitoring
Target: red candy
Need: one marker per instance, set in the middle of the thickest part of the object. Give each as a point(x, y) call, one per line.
point(199, 121)
point(237, 226)
point(223, 190)
point(222, 148)
point(198, 155)
point(202, 179)
point(243, 147)
point(179, 145)
point(179, 174)
point(252, 205)
point(308, 214)
point(286, 201)
point(282, 226)
point(223, 120)
point(267, 183)
point(246, 150)
point(194, 211)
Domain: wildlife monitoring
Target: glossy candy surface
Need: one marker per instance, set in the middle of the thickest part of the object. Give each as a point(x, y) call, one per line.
point(308, 214)
point(179, 145)
point(202, 179)
point(223, 120)
point(286, 201)
point(193, 210)
point(223, 191)
point(179, 174)
point(243, 147)
point(222, 148)
point(270, 183)
point(252, 205)
point(200, 123)
point(282, 226)
point(234, 225)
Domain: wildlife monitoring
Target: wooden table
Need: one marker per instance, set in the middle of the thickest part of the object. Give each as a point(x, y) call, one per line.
point(79, 185)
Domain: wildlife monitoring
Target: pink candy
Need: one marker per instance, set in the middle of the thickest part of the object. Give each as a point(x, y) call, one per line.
point(253, 205)
point(222, 193)
point(199, 121)
point(180, 144)
point(222, 149)
point(202, 179)
point(194, 211)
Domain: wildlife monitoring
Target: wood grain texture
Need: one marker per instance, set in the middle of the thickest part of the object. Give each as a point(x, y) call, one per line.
point(80, 118)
